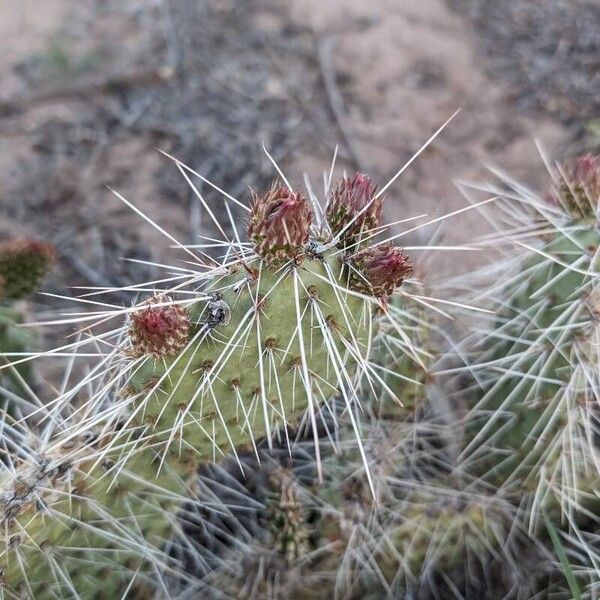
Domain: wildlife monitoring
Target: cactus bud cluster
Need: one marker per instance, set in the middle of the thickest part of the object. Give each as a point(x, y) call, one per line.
point(578, 188)
point(23, 263)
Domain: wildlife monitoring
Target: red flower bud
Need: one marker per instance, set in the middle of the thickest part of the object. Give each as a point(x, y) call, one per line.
point(158, 331)
point(379, 270)
point(279, 224)
point(578, 189)
point(23, 263)
point(344, 206)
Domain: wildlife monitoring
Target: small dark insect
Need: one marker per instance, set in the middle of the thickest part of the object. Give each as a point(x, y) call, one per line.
point(219, 312)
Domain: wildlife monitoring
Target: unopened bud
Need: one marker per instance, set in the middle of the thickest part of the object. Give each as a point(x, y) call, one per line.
point(578, 188)
point(352, 209)
point(23, 264)
point(279, 225)
point(379, 270)
point(159, 329)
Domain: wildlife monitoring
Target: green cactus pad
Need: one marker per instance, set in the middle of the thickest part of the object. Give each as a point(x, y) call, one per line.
point(243, 373)
point(69, 523)
point(544, 353)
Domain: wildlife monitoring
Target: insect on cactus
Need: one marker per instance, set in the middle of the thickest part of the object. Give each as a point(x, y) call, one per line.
point(233, 351)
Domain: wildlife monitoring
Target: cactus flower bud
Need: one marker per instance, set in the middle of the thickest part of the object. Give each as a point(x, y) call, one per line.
point(578, 188)
point(379, 270)
point(23, 264)
point(279, 224)
point(344, 206)
point(158, 331)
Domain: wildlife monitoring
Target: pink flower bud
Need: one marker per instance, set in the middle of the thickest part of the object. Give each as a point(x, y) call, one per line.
point(158, 331)
point(279, 224)
point(379, 270)
point(352, 210)
point(578, 189)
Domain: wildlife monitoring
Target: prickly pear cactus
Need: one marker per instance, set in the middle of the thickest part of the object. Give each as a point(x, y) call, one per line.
point(234, 352)
point(542, 356)
point(276, 331)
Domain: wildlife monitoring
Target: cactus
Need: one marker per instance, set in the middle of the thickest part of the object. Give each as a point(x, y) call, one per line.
point(531, 431)
point(540, 360)
point(275, 331)
point(232, 353)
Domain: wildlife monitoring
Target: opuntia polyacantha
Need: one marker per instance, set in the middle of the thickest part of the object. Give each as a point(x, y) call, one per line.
point(271, 334)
